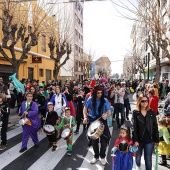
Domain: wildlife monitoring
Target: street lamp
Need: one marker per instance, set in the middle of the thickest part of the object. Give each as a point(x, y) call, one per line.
point(146, 60)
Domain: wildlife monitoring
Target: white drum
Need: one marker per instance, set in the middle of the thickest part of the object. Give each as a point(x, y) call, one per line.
point(66, 133)
point(95, 130)
point(48, 129)
point(23, 121)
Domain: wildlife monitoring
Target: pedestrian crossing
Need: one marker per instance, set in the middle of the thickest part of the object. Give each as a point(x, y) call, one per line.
point(43, 158)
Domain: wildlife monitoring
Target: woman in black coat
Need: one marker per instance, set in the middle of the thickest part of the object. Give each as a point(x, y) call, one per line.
point(145, 133)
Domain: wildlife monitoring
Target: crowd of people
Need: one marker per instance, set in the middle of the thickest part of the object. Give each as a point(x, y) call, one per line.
point(57, 107)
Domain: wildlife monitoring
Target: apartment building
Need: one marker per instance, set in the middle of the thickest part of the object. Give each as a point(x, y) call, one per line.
point(38, 64)
point(72, 14)
point(141, 33)
point(102, 67)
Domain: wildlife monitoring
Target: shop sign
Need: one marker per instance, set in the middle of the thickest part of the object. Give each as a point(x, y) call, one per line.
point(36, 59)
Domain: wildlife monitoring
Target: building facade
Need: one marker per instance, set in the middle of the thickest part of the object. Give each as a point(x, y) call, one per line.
point(38, 64)
point(142, 34)
point(102, 67)
point(71, 15)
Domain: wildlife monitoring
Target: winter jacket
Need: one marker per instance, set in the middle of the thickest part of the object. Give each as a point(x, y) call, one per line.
point(139, 126)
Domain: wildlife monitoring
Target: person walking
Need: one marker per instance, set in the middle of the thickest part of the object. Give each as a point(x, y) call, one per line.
point(145, 132)
point(98, 107)
point(29, 109)
point(119, 104)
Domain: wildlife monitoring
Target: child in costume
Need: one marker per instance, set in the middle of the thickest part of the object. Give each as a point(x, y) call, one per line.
point(4, 116)
point(51, 119)
point(68, 122)
point(164, 142)
point(123, 150)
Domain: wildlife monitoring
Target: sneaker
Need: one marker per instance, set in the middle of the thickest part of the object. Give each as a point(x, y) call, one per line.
point(54, 148)
point(94, 160)
point(2, 147)
point(163, 163)
point(76, 132)
point(103, 161)
point(69, 153)
point(23, 150)
point(138, 168)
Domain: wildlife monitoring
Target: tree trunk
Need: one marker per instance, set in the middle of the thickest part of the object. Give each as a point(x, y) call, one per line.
point(15, 69)
point(158, 70)
point(56, 72)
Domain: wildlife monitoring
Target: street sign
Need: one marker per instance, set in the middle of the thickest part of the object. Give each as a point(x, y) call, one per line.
point(36, 59)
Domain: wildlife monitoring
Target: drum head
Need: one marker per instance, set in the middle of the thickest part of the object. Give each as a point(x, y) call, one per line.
point(65, 133)
point(93, 128)
point(49, 128)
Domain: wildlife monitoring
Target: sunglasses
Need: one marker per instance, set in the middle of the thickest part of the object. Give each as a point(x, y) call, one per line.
point(99, 92)
point(144, 101)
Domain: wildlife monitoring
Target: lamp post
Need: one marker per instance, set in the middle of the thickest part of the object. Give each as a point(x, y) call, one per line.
point(148, 64)
point(146, 60)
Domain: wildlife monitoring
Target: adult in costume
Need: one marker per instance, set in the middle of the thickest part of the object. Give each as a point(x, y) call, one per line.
point(29, 110)
point(59, 101)
point(98, 107)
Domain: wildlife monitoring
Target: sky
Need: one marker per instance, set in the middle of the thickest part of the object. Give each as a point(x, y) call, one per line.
point(106, 33)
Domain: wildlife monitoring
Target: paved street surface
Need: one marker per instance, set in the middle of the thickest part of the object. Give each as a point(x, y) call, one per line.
point(43, 158)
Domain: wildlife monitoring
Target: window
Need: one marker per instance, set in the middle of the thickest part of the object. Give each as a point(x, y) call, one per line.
point(43, 43)
point(41, 72)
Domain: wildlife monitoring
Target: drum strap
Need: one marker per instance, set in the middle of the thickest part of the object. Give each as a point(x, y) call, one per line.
point(70, 121)
point(45, 118)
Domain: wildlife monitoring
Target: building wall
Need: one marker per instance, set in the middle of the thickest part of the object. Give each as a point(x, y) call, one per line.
point(28, 69)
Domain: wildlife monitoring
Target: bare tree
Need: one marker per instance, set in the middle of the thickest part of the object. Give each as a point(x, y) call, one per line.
point(61, 46)
point(87, 63)
point(14, 18)
point(150, 16)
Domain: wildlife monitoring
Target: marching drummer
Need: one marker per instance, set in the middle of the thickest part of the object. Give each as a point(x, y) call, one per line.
point(98, 108)
point(29, 110)
point(51, 119)
point(68, 122)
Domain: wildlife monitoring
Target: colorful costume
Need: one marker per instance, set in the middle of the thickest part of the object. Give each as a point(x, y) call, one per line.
point(66, 122)
point(51, 119)
point(164, 144)
point(31, 128)
point(123, 149)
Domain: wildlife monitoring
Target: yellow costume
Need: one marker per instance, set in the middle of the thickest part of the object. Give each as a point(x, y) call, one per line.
point(164, 144)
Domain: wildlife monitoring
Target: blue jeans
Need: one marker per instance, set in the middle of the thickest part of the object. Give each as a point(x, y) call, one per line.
point(110, 118)
point(148, 149)
point(119, 108)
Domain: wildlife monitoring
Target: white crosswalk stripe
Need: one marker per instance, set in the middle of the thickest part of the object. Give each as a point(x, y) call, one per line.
point(14, 132)
point(50, 159)
point(86, 163)
point(13, 153)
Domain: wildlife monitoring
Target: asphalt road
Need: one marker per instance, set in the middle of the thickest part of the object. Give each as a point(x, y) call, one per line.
point(43, 158)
